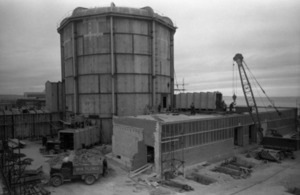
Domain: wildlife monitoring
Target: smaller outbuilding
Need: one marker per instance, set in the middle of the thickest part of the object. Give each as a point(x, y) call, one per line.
point(171, 141)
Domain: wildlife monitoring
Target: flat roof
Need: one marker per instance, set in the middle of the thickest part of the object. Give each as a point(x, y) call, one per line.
point(177, 117)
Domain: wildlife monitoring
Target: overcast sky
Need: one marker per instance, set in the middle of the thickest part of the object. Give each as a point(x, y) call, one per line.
point(209, 34)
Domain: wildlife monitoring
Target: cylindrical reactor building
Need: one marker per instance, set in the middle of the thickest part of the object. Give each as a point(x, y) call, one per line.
point(116, 61)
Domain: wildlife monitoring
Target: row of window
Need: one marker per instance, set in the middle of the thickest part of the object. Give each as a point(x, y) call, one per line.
point(169, 130)
point(200, 138)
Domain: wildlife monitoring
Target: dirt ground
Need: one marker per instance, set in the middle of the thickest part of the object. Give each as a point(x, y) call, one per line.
point(266, 178)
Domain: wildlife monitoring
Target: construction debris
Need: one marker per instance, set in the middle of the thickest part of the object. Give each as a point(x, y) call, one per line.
point(205, 180)
point(36, 190)
point(234, 169)
point(81, 156)
point(179, 186)
point(270, 155)
point(140, 170)
point(274, 155)
point(15, 143)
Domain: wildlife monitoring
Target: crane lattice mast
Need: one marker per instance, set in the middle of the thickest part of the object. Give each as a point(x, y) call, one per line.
point(247, 90)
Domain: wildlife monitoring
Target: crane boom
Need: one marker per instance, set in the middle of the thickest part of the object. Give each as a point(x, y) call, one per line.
point(247, 90)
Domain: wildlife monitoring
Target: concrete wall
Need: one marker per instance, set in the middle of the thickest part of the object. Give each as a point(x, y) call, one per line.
point(90, 76)
point(54, 96)
point(205, 139)
point(284, 124)
point(148, 127)
point(128, 146)
point(210, 151)
point(196, 140)
point(116, 65)
point(30, 125)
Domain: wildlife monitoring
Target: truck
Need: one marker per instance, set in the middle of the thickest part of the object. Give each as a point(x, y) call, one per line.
point(85, 166)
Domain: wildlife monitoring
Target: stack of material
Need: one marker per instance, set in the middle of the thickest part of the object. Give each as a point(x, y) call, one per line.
point(174, 184)
point(271, 155)
point(87, 157)
point(234, 169)
point(36, 189)
point(15, 143)
point(56, 161)
point(92, 156)
point(205, 180)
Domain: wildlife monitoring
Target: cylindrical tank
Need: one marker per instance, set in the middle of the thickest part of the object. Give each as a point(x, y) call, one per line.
point(116, 61)
point(190, 100)
point(183, 100)
point(203, 98)
point(177, 101)
point(211, 100)
point(197, 100)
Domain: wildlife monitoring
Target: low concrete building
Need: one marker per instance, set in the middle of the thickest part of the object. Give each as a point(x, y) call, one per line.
point(168, 140)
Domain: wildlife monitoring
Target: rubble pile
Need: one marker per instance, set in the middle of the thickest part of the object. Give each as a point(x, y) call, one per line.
point(82, 156)
point(87, 157)
point(57, 160)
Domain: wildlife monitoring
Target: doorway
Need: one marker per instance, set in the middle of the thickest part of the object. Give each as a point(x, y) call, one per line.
point(238, 136)
point(150, 154)
point(252, 134)
point(164, 101)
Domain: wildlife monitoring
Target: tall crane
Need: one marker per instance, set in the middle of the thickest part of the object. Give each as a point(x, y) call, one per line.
point(248, 93)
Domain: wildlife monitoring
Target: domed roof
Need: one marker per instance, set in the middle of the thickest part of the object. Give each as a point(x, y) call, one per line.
point(145, 12)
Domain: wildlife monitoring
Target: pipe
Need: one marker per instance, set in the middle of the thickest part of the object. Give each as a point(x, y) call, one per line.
point(153, 64)
point(112, 61)
point(63, 95)
point(172, 69)
point(75, 73)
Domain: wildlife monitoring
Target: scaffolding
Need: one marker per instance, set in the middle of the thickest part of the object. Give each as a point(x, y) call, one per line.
point(173, 158)
point(13, 170)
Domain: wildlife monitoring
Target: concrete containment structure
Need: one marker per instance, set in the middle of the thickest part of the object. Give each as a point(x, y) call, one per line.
point(191, 139)
point(116, 61)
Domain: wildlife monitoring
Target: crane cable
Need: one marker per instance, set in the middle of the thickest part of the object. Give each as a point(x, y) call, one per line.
point(234, 82)
point(251, 74)
point(176, 83)
point(259, 93)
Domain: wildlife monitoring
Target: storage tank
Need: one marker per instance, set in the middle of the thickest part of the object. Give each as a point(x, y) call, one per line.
point(190, 100)
point(116, 61)
point(177, 101)
point(211, 100)
point(183, 100)
point(203, 98)
point(197, 100)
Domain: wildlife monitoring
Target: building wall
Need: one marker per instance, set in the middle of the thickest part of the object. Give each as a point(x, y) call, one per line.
point(284, 123)
point(205, 139)
point(201, 153)
point(197, 140)
point(54, 96)
point(29, 125)
point(148, 127)
point(128, 145)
